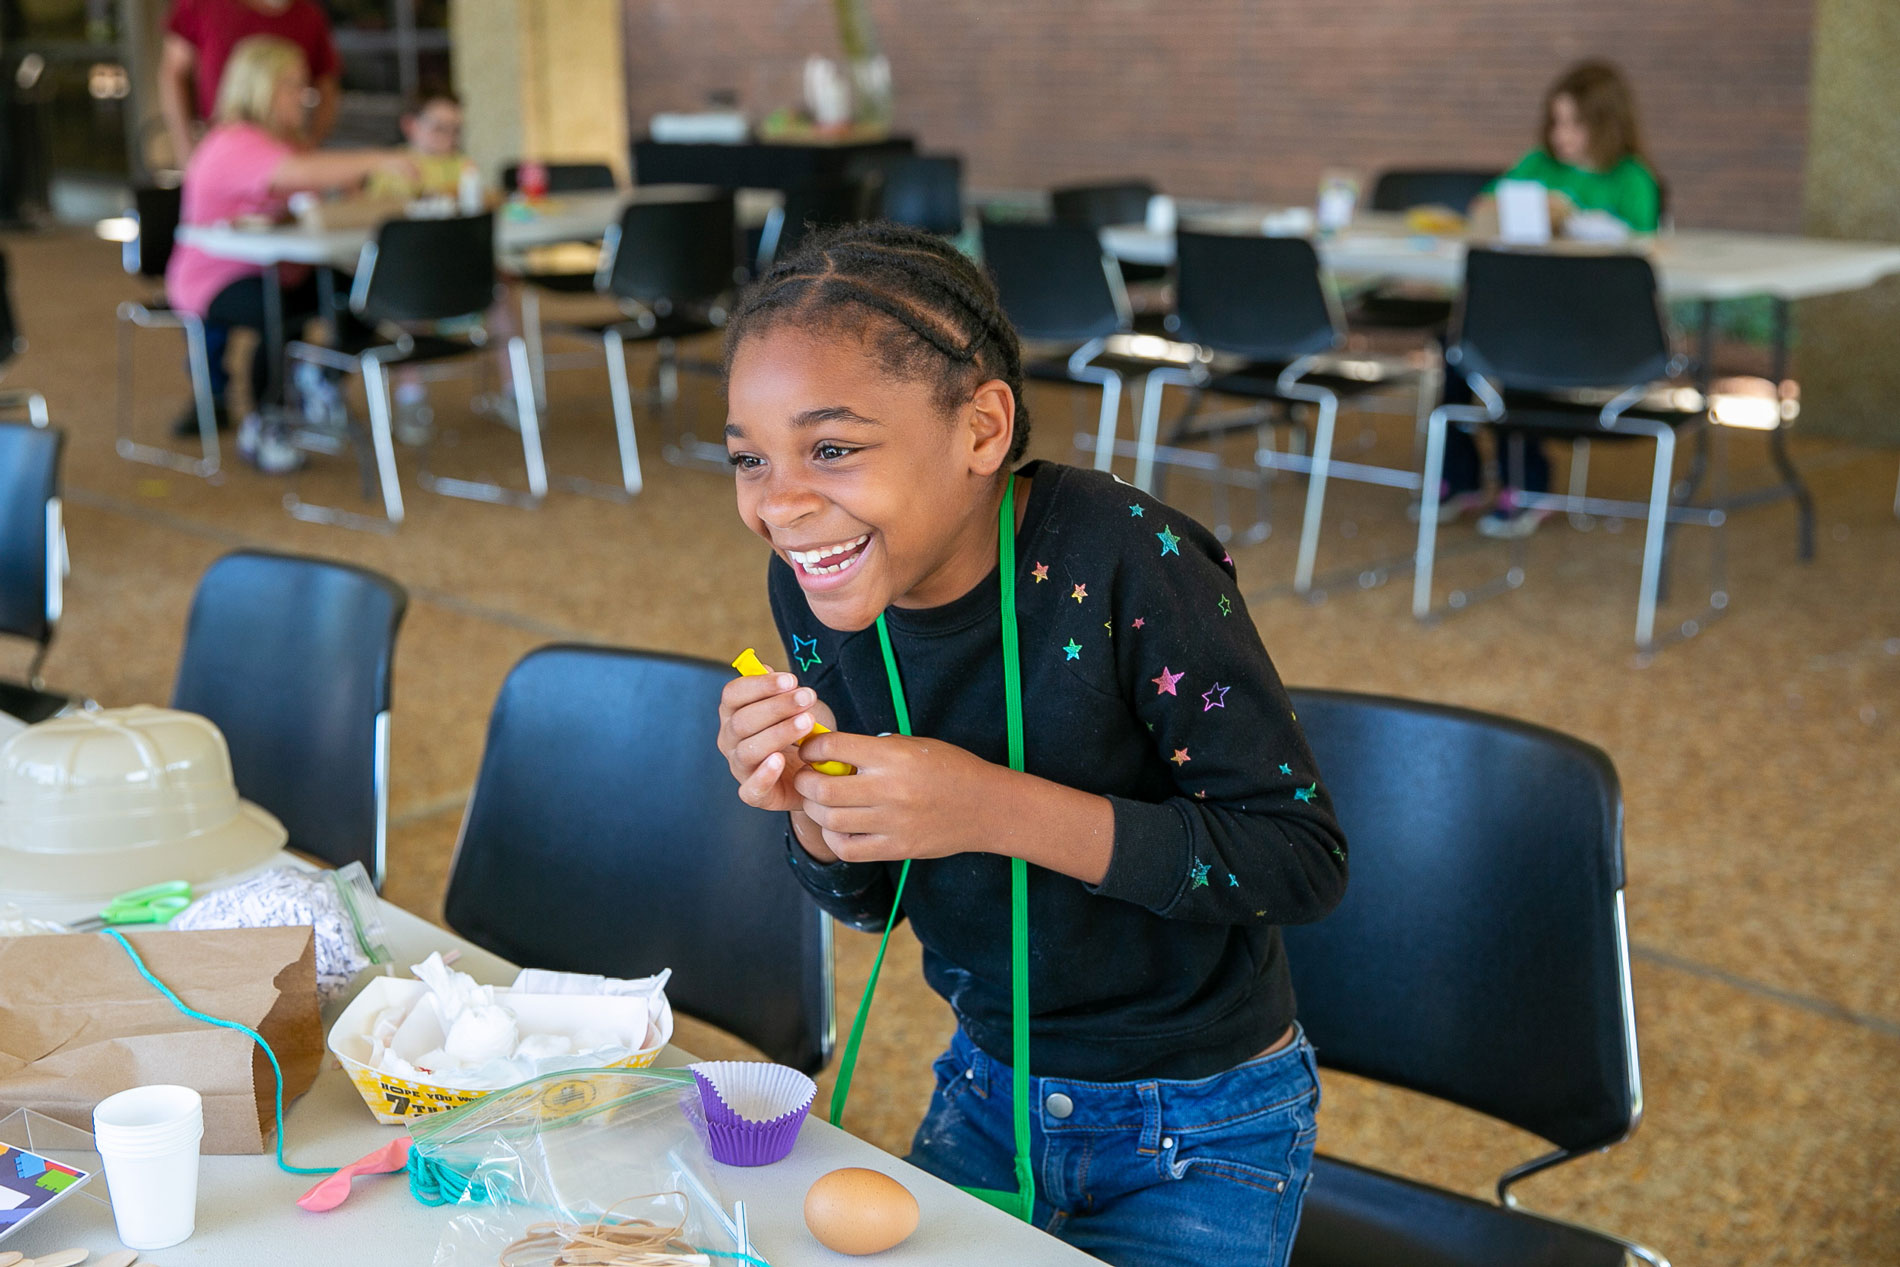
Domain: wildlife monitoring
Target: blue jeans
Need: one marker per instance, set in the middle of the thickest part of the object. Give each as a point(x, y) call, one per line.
point(1146, 1173)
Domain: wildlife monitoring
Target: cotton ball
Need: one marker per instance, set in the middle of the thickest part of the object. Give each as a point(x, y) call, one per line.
point(544, 1046)
point(483, 1033)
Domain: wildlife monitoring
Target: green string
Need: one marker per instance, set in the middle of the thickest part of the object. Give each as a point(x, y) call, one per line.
point(1021, 1202)
point(247, 1031)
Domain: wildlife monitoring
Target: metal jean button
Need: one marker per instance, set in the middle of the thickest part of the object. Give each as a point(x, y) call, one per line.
point(1058, 1105)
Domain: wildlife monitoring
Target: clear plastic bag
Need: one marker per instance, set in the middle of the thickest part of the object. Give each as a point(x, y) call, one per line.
point(569, 1150)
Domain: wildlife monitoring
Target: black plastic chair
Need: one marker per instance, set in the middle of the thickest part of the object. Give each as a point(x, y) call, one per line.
point(416, 275)
point(32, 573)
point(531, 266)
point(604, 836)
point(1063, 292)
point(154, 216)
point(817, 203)
point(290, 657)
point(11, 345)
point(923, 190)
point(1266, 306)
point(1480, 956)
point(1573, 344)
point(564, 178)
point(1402, 190)
point(1098, 206)
point(669, 266)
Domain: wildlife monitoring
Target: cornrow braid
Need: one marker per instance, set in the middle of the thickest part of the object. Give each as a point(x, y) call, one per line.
point(927, 309)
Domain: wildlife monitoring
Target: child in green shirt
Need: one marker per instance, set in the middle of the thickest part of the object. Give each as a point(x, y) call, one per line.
point(1591, 160)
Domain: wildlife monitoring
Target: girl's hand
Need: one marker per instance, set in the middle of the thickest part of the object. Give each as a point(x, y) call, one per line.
point(911, 798)
point(760, 721)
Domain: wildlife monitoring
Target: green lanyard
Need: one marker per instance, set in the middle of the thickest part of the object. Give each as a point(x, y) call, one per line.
point(1022, 1201)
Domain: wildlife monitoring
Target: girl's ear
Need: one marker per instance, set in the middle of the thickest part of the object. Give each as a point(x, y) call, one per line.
point(990, 419)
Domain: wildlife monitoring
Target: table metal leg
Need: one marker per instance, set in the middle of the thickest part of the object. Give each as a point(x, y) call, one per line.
point(1778, 438)
point(273, 349)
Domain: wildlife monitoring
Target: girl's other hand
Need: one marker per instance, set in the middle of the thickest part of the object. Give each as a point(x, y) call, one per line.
point(911, 798)
point(761, 720)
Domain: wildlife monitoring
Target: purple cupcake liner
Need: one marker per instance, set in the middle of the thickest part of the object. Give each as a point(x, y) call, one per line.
point(738, 1140)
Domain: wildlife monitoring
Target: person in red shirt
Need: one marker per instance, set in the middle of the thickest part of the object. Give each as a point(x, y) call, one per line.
point(199, 36)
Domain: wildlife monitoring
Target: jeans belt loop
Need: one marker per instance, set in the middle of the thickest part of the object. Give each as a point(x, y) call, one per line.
point(1150, 1141)
point(980, 1072)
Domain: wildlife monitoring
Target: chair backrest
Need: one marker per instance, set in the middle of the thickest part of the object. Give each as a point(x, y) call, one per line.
point(924, 190)
point(156, 210)
point(1054, 281)
point(677, 252)
point(1479, 954)
point(1098, 206)
point(29, 482)
point(1546, 320)
point(564, 178)
point(11, 344)
point(604, 835)
point(821, 202)
point(427, 270)
point(1259, 297)
point(290, 657)
point(1452, 187)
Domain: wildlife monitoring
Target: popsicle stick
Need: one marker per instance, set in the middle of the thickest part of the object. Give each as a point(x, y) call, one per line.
point(59, 1258)
point(119, 1258)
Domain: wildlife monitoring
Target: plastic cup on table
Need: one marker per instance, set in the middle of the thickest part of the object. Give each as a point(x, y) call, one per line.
point(148, 1139)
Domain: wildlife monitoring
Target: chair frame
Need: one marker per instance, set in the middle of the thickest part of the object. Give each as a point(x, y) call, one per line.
point(1615, 418)
point(1319, 467)
point(149, 315)
point(55, 591)
point(373, 366)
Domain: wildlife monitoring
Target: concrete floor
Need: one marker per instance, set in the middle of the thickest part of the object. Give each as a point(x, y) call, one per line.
point(1760, 761)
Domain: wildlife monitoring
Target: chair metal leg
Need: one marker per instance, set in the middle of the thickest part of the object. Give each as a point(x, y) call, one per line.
point(1152, 389)
point(531, 332)
point(1653, 537)
point(1110, 420)
point(381, 437)
point(1428, 515)
point(1580, 482)
point(616, 349)
point(529, 414)
point(31, 401)
point(205, 466)
point(1315, 494)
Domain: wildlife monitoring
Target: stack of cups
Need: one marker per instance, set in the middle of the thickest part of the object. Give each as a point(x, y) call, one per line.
point(148, 1139)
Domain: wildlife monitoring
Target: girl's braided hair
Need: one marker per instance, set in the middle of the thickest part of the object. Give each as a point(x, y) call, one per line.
point(927, 310)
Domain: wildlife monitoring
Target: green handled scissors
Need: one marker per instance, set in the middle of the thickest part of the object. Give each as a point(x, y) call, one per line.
point(153, 904)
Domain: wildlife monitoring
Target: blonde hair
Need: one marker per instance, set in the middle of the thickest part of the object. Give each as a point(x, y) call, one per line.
point(258, 63)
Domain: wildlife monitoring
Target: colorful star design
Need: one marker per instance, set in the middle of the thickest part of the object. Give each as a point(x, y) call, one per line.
point(1040, 572)
point(1305, 793)
point(1233, 881)
point(1228, 559)
point(1074, 649)
point(1180, 757)
point(1110, 626)
point(1198, 873)
point(1135, 511)
point(1201, 795)
point(1170, 544)
point(799, 646)
point(1285, 768)
point(1214, 697)
point(1140, 621)
point(1081, 592)
point(1226, 608)
point(1165, 684)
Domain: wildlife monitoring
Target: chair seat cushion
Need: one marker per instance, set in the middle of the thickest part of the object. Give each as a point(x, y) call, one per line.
point(675, 325)
point(1577, 412)
point(1260, 379)
point(427, 347)
point(1356, 1217)
point(562, 283)
point(1381, 311)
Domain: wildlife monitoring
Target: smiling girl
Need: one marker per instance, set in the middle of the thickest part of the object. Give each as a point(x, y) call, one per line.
point(1078, 686)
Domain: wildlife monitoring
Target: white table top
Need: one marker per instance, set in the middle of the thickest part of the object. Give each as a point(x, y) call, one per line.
point(247, 1215)
point(577, 217)
point(1690, 263)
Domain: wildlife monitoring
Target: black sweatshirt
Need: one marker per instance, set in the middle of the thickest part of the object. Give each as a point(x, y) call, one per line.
point(1144, 680)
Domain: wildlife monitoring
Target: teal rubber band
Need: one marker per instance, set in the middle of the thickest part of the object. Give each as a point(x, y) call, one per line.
point(247, 1031)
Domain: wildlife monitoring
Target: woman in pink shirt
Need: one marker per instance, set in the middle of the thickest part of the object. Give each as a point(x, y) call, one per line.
point(245, 167)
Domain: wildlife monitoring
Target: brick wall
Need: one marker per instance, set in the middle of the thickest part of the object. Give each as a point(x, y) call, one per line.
point(1253, 98)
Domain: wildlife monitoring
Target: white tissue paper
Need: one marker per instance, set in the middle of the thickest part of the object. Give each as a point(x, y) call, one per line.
point(456, 1033)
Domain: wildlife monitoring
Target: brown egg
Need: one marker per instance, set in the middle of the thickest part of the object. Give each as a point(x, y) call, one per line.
point(857, 1211)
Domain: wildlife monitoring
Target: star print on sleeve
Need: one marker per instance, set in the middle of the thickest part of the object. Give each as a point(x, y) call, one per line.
point(1214, 697)
point(1226, 608)
point(1165, 684)
point(1285, 768)
point(1081, 592)
point(1305, 793)
point(1198, 874)
point(1180, 757)
point(1140, 621)
point(1233, 881)
point(800, 648)
point(1074, 649)
point(1170, 543)
point(1135, 510)
point(1040, 572)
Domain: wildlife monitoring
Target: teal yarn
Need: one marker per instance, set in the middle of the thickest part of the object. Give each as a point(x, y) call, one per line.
point(245, 1030)
point(433, 1183)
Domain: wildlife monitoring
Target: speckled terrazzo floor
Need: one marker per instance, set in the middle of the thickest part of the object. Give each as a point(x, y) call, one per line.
point(1760, 761)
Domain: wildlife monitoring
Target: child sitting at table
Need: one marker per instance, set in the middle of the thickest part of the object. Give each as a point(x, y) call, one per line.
point(245, 169)
point(1161, 793)
point(1591, 160)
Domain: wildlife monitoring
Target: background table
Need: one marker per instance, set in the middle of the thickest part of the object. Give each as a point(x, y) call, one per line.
point(247, 1215)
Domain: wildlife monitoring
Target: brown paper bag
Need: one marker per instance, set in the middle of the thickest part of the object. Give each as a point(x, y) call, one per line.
point(78, 1023)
